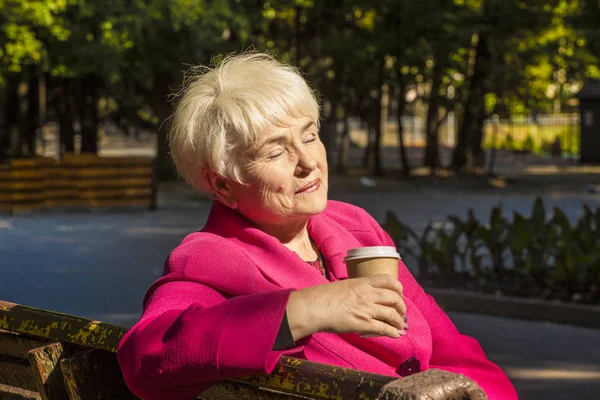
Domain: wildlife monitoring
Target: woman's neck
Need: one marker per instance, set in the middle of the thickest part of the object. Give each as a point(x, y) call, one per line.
point(294, 236)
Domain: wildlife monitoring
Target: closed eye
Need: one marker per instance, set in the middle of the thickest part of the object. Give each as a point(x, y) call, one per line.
point(275, 155)
point(311, 138)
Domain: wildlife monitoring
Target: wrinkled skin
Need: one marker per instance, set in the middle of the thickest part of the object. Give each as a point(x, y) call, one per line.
point(372, 306)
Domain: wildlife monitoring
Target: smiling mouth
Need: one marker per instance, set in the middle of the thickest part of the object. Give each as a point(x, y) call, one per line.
point(311, 187)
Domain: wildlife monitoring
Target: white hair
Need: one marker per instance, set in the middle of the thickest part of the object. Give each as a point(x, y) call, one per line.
point(222, 111)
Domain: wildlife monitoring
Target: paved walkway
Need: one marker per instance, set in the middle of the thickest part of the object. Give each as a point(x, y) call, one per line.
point(99, 265)
point(544, 361)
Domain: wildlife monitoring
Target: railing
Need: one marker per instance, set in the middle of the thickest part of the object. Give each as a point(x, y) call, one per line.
point(539, 129)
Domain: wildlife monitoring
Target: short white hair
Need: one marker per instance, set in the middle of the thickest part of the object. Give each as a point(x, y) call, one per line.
point(223, 110)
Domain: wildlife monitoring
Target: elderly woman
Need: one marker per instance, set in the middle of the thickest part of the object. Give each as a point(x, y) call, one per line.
point(266, 277)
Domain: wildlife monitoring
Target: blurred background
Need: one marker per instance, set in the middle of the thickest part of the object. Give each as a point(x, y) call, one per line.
point(469, 128)
point(455, 78)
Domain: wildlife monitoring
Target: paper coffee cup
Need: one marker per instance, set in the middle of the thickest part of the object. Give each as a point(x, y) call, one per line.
point(367, 261)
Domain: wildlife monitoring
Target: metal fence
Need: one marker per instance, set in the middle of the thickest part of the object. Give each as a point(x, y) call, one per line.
point(414, 132)
point(535, 133)
point(530, 133)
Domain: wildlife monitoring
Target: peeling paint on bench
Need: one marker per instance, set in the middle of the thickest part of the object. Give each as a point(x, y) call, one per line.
point(61, 327)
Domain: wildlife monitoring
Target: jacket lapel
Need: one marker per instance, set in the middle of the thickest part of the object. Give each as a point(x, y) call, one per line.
point(333, 241)
point(276, 262)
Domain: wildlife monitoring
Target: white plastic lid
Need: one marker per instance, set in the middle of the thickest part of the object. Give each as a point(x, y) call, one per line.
point(372, 252)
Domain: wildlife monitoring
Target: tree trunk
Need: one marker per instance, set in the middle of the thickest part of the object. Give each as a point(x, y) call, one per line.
point(493, 151)
point(469, 151)
point(89, 114)
point(432, 157)
point(340, 167)
point(329, 130)
point(379, 123)
point(4, 137)
point(297, 23)
point(166, 170)
point(33, 109)
point(22, 114)
point(42, 107)
point(370, 142)
point(65, 112)
point(405, 164)
point(11, 113)
point(4, 125)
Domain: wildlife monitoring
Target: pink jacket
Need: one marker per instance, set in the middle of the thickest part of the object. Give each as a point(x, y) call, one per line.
point(216, 311)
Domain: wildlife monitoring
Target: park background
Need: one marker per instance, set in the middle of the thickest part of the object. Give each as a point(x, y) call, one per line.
point(458, 124)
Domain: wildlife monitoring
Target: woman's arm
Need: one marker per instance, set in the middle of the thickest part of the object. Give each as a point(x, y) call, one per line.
point(372, 306)
point(190, 336)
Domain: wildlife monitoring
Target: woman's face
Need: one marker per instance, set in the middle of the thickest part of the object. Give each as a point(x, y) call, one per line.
point(285, 178)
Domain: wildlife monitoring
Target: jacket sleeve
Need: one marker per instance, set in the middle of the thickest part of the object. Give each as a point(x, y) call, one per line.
point(452, 351)
point(190, 336)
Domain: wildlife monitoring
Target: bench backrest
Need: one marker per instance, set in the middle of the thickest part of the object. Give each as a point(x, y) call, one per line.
point(83, 181)
point(48, 355)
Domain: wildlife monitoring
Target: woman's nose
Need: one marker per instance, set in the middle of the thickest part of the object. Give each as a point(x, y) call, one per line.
point(306, 163)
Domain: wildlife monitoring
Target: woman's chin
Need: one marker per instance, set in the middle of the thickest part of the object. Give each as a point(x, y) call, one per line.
point(313, 206)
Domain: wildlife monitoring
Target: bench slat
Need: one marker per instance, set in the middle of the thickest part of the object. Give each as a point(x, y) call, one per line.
point(124, 202)
point(109, 172)
point(94, 374)
point(319, 381)
point(50, 325)
point(114, 182)
point(116, 192)
point(228, 390)
point(15, 371)
point(17, 345)
point(13, 393)
point(46, 370)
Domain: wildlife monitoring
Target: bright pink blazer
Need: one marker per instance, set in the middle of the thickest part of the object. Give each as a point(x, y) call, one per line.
point(217, 308)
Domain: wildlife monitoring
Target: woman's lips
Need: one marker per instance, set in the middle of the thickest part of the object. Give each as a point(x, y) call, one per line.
point(311, 187)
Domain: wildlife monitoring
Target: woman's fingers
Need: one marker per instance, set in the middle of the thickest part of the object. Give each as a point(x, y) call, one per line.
point(389, 298)
point(380, 328)
point(388, 315)
point(371, 306)
point(384, 281)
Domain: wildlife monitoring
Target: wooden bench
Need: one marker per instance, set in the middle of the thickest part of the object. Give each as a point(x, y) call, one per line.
point(50, 356)
point(82, 181)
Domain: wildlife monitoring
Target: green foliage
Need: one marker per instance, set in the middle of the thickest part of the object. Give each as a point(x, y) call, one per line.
point(541, 255)
point(529, 143)
point(540, 51)
point(25, 25)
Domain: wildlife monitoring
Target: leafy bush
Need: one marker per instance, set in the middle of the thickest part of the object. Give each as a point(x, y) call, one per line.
point(529, 144)
point(536, 256)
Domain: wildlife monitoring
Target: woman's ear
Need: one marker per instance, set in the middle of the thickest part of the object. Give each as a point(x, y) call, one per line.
point(221, 187)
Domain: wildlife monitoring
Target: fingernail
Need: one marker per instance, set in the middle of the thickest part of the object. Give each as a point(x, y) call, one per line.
point(406, 327)
point(405, 318)
point(402, 333)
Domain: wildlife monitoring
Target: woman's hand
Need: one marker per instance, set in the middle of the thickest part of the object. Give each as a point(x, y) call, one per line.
point(372, 306)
